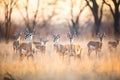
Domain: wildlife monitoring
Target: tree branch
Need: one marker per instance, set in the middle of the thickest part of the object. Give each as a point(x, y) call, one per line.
point(82, 10)
point(71, 11)
point(109, 7)
point(89, 4)
point(119, 2)
point(35, 15)
point(21, 14)
point(80, 13)
point(101, 11)
point(26, 9)
point(114, 1)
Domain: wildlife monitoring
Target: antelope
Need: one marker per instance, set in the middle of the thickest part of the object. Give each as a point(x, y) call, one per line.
point(41, 46)
point(62, 50)
point(75, 50)
point(27, 49)
point(113, 44)
point(16, 42)
point(67, 49)
point(95, 45)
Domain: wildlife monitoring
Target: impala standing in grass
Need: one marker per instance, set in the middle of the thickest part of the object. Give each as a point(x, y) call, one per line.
point(16, 42)
point(75, 49)
point(95, 45)
point(41, 46)
point(113, 44)
point(62, 50)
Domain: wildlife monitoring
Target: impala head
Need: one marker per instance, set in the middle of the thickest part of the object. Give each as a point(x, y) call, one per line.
point(28, 34)
point(71, 37)
point(101, 36)
point(56, 38)
point(43, 41)
point(17, 36)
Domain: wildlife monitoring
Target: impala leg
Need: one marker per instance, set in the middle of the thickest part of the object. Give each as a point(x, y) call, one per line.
point(30, 56)
point(63, 58)
point(69, 59)
point(89, 52)
point(14, 50)
point(115, 49)
point(43, 52)
point(21, 57)
point(80, 53)
point(96, 53)
point(79, 56)
point(75, 56)
point(110, 49)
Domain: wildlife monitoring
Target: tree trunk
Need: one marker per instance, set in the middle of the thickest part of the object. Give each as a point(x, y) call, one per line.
point(75, 26)
point(97, 25)
point(116, 21)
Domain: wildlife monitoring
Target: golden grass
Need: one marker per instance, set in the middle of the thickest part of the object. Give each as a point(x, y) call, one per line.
point(50, 67)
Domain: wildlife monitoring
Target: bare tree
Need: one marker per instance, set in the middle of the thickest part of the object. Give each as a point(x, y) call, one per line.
point(29, 25)
point(8, 9)
point(95, 11)
point(116, 15)
point(49, 17)
point(75, 19)
point(74, 26)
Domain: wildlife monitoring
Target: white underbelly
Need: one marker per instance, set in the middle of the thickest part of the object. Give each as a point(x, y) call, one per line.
point(23, 51)
point(92, 47)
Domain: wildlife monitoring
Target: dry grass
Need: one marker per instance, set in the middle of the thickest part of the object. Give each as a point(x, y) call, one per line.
point(50, 67)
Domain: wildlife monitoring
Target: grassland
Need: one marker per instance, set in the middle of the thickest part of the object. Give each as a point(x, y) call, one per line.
point(50, 67)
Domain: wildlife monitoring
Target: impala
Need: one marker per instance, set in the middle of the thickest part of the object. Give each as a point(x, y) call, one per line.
point(16, 42)
point(75, 49)
point(113, 44)
point(78, 50)
point(62, 50)
point(27, 49)
point(41, 46)
point(95, 45)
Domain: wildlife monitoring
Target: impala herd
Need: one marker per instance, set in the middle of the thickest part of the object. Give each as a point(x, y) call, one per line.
point(29, 46)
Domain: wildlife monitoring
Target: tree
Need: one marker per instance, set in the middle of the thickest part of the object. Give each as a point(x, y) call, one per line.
point(95, 11)
point(30, 24)
point(116, 15)
point(49, 17)
point(8, 9)
point(75, 20)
